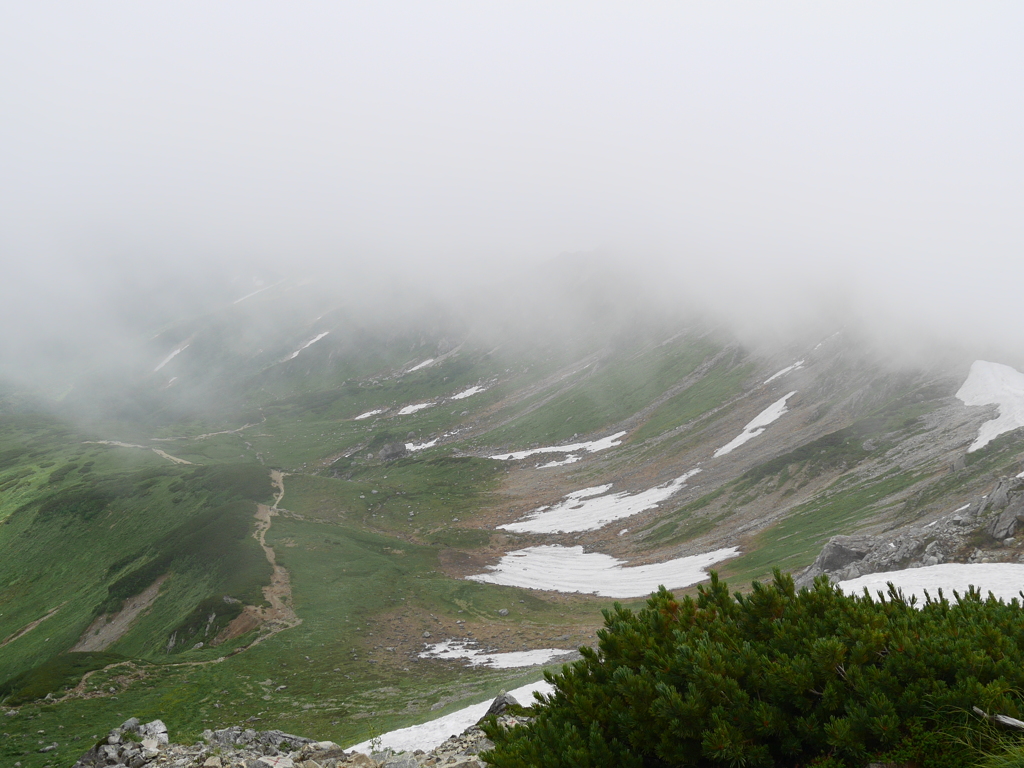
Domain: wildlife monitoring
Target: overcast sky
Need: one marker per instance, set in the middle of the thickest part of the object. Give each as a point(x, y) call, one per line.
point(764, 155)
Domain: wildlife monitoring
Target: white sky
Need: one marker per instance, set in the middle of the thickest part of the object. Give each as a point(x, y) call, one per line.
point(858, 152)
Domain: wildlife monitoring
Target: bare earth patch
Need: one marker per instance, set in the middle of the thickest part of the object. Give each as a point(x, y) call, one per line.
point(109, 628)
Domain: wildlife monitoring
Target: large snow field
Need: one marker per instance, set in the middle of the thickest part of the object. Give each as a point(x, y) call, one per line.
point(757, 425)
point(592, 508)
point(458, 649)
point(171, 356)
point(591, 447)
point(309, 343)
point(570, 569)
point(433, 733)
point(467, 393)
point(994, 384)
point(368, 414)
point(413, 408)
point(1004, 580)
point(795, 366)
point(424, 364)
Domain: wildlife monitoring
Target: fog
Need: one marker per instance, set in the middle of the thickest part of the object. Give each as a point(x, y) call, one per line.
point(775, 165)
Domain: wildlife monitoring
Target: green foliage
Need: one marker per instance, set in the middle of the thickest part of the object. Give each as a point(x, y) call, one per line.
point(80, 503)
point(1009, 755)
point(777, 678)
point(205, 622)
point(230, 481)
point(216, 541)
point(53, 676)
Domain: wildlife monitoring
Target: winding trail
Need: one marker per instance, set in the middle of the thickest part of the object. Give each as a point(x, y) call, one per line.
point(157, 451)
point(277, 618)
point(29, 627)
point(280, 615)
point(279, 592)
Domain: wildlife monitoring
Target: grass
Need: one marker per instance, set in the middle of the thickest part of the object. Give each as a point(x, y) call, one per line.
point(795, 541)
point(722, 383)
point(603, 397)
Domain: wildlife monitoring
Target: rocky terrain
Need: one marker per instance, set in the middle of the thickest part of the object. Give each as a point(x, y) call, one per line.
point(135, 745)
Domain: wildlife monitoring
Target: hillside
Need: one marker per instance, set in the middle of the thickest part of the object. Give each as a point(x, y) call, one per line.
point(341, 523)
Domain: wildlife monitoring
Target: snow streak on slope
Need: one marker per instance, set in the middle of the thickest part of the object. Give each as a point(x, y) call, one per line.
point(413, 408)
point(171, 356)
point(420, 446)
point(591, 447)
point(424, 364)
point(795, 366)
point(368, 414)
point(467, 393)
point(570, 459)
point(994, 384)
point(434, 732)
point(1004, 580)
point(588, 509)
point(569, 569)
point(757, 426)
point(458, 649)
point(309, 343)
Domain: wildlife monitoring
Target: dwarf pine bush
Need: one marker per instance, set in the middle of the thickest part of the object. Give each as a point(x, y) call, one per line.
point(780, 678)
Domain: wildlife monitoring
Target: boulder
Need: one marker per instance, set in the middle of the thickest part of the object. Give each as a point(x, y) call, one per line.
point(392, 451)
point(502, 702)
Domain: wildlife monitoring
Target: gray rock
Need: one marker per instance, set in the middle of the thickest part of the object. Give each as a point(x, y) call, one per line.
point(392, 451)
point(401, 761)
point(1005, 525)
point(840, 551)
point(154, 730)
point(501, 702)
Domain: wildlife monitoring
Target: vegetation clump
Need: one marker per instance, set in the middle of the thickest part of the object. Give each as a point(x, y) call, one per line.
point(780, 677)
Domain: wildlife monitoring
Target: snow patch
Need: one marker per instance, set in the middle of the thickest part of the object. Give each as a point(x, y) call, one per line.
point(467, 393)
point(420, 446)
point(1004, 580)
point(794, 367)
point(309, 343)
point(994, 384)
point(368, 414)
point(570, 459)
point(757, 426)
point(433, 733)
point(591, 447)
point(589, 509)
point(171, 356)
point(413, 408)
point(570, 569)
point(458, 649)
point(424, 364)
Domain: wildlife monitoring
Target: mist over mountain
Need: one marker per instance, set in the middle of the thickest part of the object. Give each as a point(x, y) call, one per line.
point(355, 358)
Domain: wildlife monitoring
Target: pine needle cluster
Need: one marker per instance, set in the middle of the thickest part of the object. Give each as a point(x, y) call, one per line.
point(778, 677)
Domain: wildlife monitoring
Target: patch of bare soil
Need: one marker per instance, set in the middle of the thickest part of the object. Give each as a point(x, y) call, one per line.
point(29, 627)
point(109, 628)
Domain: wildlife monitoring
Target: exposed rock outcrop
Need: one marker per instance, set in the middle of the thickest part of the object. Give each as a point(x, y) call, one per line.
point(136, 745)
point(391, 451)
point(950, 538)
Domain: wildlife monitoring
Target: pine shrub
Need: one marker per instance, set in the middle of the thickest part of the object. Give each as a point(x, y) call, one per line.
point(778, 677)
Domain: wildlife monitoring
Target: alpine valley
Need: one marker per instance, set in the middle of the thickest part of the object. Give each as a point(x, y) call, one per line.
point(288, 513)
